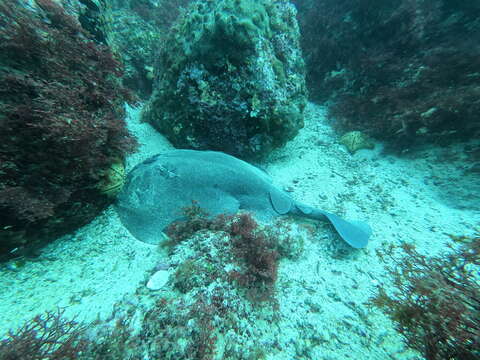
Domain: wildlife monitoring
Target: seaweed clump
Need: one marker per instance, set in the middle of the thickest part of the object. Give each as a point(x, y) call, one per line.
point(435, 303)
point(52, 336)
point(48, 336)
point(258, 250)
point(402, 71)
point(62, 120)
point(255, 248)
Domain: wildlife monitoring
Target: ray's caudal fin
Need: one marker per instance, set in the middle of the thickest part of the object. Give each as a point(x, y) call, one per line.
point(355, 233)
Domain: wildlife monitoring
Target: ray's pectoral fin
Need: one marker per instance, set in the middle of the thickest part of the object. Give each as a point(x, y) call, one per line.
point(281, 203)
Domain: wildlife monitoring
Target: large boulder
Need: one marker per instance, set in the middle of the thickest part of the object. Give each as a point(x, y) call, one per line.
point(230, 77)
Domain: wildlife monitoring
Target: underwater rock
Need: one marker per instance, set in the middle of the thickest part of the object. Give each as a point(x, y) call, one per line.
point(356, 140)
point(135, 41)
point(223, 288)
point(136, 29)
point(230, 77)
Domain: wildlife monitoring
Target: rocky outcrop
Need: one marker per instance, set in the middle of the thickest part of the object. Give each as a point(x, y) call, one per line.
point(230, 77)
point(135, 29)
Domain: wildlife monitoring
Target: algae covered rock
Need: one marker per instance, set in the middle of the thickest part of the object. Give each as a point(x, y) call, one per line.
point(230, 77)
point(135, 40)
point(224, 287)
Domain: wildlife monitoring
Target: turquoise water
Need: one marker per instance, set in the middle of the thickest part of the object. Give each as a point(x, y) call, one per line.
point(278, 287)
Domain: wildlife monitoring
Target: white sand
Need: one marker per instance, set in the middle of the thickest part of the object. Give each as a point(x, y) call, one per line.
point(322, 295)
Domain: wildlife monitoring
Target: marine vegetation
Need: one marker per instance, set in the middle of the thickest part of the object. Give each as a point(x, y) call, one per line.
point(62, 121)
point(52, 336)
point(224, 282)
point(404, 71)
point(49, 336)
point(435, 303)
point(255, 248)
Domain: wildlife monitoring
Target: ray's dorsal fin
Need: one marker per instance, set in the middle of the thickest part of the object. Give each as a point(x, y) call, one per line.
point(280, 203)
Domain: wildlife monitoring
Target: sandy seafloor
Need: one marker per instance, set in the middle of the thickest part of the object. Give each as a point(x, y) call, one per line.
point(420, 197)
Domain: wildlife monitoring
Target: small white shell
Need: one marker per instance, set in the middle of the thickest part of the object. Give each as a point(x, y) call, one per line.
point(158, 280)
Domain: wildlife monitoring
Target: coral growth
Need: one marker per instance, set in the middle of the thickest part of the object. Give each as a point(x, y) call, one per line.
point(62, 122)
point(435, 302)
point(403, 71)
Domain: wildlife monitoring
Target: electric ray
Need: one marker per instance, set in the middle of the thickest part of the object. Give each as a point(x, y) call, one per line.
point(157, 190)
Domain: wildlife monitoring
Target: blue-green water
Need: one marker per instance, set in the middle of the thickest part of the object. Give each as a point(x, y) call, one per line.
point(391, 142)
